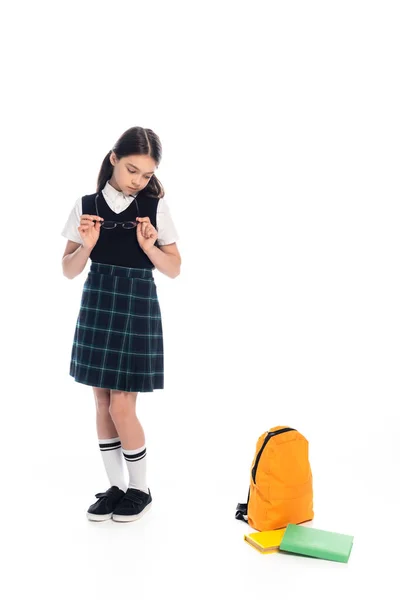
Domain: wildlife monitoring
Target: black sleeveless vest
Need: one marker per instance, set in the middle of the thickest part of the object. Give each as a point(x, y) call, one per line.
point(119, 246)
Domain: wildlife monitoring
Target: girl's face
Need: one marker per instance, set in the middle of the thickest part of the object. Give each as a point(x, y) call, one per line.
point(131, 173)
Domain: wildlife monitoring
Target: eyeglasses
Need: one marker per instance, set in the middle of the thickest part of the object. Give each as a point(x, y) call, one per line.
point(113, 224)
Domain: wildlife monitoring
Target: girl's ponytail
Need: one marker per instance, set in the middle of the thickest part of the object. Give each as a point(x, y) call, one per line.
point(105, 173)
point(154, 188)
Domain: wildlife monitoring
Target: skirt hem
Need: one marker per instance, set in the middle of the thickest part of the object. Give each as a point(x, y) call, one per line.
point(117, 389)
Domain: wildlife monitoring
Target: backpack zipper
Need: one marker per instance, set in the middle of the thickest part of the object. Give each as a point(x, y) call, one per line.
point(267, 438)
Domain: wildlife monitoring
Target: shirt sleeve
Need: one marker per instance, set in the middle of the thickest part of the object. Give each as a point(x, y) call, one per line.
point(167, 233)
point(70, 230)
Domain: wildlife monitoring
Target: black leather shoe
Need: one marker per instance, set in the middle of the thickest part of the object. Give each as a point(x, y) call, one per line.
point(133, 505)
point(104, 507)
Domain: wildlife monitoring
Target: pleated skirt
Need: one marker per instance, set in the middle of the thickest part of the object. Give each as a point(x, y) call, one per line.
point(118, 340)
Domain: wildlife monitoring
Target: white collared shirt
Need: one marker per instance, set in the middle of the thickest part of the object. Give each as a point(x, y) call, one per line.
point(118, 202)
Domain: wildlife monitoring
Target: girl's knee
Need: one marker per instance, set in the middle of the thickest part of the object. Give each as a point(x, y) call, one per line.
point(102, 399)
point(122, 404)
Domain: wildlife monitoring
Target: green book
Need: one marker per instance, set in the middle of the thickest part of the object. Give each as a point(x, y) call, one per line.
point(317, 543)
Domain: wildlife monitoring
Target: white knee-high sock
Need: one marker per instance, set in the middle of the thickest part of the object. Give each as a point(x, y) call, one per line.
point(136, 463)
point(111, 453)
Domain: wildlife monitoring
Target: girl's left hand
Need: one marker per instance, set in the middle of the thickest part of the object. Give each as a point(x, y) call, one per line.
point(146, 233)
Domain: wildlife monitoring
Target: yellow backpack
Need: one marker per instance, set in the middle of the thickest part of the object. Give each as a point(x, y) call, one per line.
point(280, 483)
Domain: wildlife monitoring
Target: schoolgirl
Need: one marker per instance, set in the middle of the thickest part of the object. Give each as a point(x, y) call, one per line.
point(126, 230)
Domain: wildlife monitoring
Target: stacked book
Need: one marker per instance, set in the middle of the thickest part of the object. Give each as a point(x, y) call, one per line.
point(305, 541)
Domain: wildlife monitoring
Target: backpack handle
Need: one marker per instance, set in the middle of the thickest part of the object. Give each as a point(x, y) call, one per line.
point(241, 510)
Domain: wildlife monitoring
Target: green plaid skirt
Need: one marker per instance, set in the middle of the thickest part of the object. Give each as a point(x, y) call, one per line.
point(118, 341)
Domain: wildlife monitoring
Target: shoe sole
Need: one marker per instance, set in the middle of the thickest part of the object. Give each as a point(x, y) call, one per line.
point(93, 517)
point(128, 518)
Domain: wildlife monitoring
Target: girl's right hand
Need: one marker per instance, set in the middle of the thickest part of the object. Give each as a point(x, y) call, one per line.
point(89, 230)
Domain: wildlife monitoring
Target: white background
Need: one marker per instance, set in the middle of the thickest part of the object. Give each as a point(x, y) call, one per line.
point(280, 130)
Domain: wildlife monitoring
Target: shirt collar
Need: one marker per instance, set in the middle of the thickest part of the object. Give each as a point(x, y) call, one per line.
point(112, 195)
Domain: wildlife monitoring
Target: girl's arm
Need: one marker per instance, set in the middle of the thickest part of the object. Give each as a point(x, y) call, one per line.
point(166, 259)
point(76, 255)
point(74, 259)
